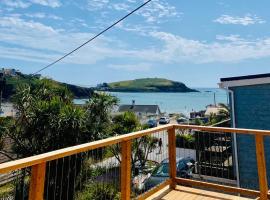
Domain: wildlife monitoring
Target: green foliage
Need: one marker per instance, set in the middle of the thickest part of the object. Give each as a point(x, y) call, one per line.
point(48, 120)
point(185, 141)
point(150, 85)
point(125, 123)
point(5, 123)
point(141, 147)
point(98, 110)
point(97, 191)
point(6, 190)
point(14, 82)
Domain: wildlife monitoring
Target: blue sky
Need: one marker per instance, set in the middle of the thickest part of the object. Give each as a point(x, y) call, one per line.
point(196, 42)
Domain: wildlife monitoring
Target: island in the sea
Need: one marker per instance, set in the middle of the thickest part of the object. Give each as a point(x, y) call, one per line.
point(145, 85)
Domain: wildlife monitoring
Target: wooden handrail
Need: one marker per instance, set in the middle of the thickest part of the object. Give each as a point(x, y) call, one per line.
point(224, 130)
point(54, 155)
point(33, 160)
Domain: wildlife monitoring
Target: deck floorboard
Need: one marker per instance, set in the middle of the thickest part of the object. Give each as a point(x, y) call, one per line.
point(188, 193)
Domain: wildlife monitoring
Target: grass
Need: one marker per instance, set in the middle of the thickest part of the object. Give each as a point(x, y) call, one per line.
point(142, 83)
point(6, 190)
point(149, 85)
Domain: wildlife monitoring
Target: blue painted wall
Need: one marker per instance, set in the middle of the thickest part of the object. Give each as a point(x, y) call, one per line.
point(252, 110)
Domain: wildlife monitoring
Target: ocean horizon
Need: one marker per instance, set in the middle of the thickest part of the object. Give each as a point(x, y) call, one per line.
point(172, 102)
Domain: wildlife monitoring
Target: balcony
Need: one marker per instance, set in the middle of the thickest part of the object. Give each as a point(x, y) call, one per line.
point(134, 166)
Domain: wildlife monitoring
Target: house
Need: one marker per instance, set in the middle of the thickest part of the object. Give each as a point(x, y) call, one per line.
point(9, 72)
point(213, 109)
point(250, 108)
point(140, 110)
point(195, 114)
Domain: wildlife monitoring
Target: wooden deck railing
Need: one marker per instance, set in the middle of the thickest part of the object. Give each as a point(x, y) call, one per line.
point(38, 162)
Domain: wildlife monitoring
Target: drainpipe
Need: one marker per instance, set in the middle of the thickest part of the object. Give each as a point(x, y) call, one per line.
point(234, 134)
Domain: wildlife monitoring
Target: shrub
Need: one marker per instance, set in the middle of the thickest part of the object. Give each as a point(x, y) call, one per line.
point(97, 191)
point(185, 141)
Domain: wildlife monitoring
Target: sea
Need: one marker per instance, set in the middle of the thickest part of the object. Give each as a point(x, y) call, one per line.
point(173, 102)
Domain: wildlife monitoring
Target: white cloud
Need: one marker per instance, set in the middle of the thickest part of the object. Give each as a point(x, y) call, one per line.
point(27, 3)
point(97, 4)
point(49, 3)
point(177, 49)
point(40, 15)
point(138, 67)
point(157, 11)
point(121, 7)
point(245, 20)
point(16, 3)
point(33, 41)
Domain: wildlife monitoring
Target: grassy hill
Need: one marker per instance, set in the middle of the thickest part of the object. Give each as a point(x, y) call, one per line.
point(13, 81)
point(146, 85)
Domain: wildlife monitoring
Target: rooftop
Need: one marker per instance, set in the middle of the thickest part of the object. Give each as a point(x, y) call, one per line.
point(139, 108)
point(256, 79)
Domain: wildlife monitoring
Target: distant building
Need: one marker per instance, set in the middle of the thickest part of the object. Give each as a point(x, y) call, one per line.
point(250, 108)
point(140, 110)
point(198, 114)
point(9, 72)
point(213, 109)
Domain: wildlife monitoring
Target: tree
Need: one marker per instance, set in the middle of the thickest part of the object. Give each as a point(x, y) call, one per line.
point(224, 112)
point(141, 147)
point(48, 120)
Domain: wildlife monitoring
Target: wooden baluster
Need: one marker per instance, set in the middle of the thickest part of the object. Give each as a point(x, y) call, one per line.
point(125, 170)
point(261, 165)
point(172, 156)
point(37, 182)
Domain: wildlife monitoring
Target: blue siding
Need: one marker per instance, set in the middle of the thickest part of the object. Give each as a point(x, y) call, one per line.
point(252, 110)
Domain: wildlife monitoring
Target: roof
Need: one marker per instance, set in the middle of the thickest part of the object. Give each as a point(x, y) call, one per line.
point(245, 80)
point(139, 108)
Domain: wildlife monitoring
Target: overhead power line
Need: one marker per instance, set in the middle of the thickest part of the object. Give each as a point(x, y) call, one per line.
point(91, 39)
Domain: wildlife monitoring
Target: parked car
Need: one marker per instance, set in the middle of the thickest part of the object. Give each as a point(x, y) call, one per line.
point(164, 120)
point(152, 123)
point(182, 120)
point(184, 166)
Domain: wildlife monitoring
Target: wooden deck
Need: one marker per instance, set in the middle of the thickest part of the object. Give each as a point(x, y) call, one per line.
point(188, 193)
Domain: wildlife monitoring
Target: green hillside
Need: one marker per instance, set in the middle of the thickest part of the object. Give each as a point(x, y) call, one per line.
point(12, 82)
point(146, 85)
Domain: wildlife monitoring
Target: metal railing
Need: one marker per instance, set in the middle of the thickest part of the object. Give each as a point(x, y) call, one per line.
point(137, 165)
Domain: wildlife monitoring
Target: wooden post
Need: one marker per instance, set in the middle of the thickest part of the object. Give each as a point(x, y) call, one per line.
point(261, 166)
point(172, 156)
point(125, 170)
point(37, 182)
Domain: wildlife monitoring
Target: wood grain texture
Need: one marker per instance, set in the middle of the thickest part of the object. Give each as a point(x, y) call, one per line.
point(37, 182)
point(261, 167)
point(125, 170)
point(188, 193)
point(155, 190)
point(221, 188)
point(172, 156)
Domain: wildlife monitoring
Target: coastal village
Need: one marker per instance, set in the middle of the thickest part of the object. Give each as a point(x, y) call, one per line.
point(134, 100)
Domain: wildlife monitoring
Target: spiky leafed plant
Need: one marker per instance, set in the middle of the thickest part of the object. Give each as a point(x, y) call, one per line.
point(48, 120)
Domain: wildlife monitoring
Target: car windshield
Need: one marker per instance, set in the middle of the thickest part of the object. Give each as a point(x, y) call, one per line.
point(151, 121)
point(162, 118)
point(162, 170)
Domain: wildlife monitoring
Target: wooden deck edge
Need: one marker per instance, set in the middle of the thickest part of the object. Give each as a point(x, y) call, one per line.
point(222, 188)
point(223, 129)
point(155, 190)
point(53, 155)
